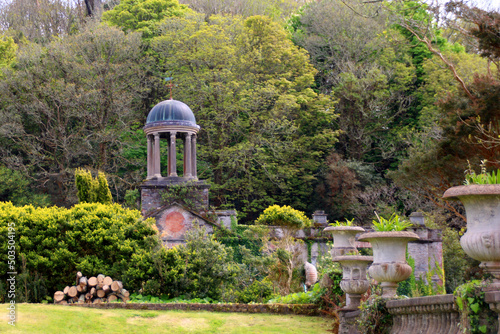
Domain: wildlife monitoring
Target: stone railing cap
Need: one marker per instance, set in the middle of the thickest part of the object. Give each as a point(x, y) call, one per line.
point(389, 234)
point(353, 258)
point(419, 301)
point(344, 228)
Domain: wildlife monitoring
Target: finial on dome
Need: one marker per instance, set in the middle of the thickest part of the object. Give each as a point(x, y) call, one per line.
point(170, 85)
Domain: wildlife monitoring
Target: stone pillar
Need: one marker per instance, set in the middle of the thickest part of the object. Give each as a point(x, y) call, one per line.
point(150, 158)
point(187, 156)
point(194, 168)
point(172, 155)
point(156, 156)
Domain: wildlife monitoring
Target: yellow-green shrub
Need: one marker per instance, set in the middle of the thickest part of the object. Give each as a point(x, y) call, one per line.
point(285, 216)
point(54, 243)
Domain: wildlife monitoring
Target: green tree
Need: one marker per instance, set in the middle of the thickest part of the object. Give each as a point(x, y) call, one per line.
point(143, 16)
point(18, 188)
point(265, 130)
point(7, 50)
point(463, 126)
point(39, 20)
point(74, 103)
point(92, 190)
point(276, 9)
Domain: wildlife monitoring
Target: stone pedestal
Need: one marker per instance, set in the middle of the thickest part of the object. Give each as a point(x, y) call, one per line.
point(151, 190)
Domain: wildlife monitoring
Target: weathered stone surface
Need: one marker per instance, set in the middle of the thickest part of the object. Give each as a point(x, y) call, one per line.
point(344, 239)
point(482, 239)
point(389, 259)
point(348, 321)
point(432, 314)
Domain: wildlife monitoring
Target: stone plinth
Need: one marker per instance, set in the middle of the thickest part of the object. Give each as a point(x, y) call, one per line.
point(151, 191)
point(348, 321)
point(224, 217)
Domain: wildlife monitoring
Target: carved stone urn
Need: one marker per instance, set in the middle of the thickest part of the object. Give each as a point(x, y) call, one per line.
point(344, 238)
point(354, 282)
point(389, 259)
point(482, 239)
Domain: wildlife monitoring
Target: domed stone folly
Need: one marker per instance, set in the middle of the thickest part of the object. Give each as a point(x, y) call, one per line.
point(172, 124)
point(170, 120)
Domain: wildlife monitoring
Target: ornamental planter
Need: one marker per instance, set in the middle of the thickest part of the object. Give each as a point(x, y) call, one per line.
point(482, 239)
point(389, 259)
point(354, 282)
point(344, 238)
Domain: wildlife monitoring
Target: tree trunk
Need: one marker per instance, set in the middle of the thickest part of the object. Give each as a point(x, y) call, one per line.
point(66, 289)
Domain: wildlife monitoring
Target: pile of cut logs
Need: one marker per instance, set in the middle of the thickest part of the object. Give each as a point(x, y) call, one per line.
point(100, 289)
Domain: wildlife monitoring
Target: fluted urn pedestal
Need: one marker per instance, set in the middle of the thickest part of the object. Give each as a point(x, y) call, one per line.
point(344, 239)
point(389, 259)
point(482, 239)
point(354, 282)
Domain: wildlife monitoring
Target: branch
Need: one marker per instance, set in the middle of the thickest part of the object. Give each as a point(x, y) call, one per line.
point(446, 61)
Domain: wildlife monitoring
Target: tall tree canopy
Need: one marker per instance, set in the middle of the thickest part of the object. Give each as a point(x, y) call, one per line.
point(71, 104)
point(264, 129)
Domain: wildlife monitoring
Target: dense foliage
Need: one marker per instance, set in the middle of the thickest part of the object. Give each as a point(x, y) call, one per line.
point(284, 216)
point(318, 105)
point(92, 190)
point(52, 244)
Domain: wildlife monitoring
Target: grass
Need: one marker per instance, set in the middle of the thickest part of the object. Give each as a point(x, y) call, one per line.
point(39, 318)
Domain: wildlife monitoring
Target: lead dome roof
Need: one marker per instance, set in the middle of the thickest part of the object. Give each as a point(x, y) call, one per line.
point(171, 112)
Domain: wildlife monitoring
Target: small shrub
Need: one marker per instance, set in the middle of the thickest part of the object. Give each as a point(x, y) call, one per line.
point(310, 297)
point(394, 223)
point(475, 314)
point(284, 216)
point(374, 317)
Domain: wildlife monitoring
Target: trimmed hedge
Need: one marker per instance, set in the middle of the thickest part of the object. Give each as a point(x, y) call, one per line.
point(52, 244)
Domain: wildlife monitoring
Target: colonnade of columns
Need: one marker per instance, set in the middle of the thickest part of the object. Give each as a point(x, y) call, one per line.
point(153, 151)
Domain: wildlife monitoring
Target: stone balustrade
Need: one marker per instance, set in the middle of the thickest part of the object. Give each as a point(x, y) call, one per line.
point(432, 314)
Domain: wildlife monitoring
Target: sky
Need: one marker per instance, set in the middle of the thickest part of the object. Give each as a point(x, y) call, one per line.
point(483, 4)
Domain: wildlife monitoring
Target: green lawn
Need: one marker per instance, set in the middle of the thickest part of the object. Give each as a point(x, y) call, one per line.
point(38, 318)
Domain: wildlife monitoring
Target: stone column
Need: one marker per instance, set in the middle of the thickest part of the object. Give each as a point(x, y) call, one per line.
point(171, 155)
point(149, 158)
point(194, 171)
point(187, 156)
point(156, 156)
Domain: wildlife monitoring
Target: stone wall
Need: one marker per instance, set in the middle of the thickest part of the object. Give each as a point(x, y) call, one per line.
point(151, 191)
point(303, 309)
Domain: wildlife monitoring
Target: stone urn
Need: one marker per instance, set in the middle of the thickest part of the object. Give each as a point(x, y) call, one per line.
point(482, 239)
point(389, 259)
point(354, 282)
point(344, 238)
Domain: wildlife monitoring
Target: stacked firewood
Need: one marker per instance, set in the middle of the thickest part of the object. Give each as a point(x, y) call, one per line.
point(100, 289)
